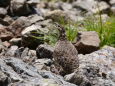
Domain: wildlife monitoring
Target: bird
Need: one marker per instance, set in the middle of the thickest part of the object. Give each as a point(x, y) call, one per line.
point(65, 54)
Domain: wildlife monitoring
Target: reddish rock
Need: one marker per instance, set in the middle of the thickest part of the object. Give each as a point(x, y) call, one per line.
point(18, 25)
point(87, 42)
point(6, 44)
point(5, 34)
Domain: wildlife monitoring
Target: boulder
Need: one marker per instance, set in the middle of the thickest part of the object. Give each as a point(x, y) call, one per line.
point(88, 42)
point(95, 69)
point(44, 51)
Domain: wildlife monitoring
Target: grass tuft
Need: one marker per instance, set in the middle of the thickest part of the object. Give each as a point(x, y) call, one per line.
point(105, 30)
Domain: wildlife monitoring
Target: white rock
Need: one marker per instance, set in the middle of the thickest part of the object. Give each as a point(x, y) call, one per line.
point(29, 29)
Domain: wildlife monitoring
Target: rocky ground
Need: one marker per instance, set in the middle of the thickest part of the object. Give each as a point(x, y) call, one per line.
point(26, 61)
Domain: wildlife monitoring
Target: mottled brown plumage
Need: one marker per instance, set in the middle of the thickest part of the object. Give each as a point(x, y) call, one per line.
point(65, 54)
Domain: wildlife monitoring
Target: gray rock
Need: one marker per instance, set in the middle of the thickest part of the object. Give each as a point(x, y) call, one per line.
point(28, 55)
point(93, 7)
point(3, 79)
point(87, 42)
point(11, 51)
point(19, 7)
point(35, 18)
point(45, 23)
point(75, 14)
point(25, 52)
point(66, 6)
point(76, 18)
point(58, 16)
point(53, 5)
point(31, 76)
point(15, 72)
point(32, 53)
point(36, 6)
point(3, 12)
point(112, 76)
point(19, 52)
point(22, 68)
point(44, 51)
point(9, 71)
point(36, 82)
point(40, 82)
point(58, 79)
point(96, 69)
point(41, 64)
